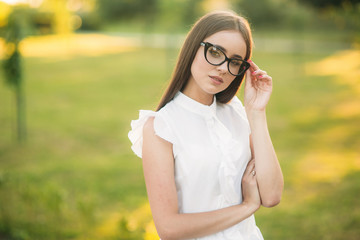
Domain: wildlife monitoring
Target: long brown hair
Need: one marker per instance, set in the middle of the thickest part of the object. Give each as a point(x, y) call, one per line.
point(206, 26)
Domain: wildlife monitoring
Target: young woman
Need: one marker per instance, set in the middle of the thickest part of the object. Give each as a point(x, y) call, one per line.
point(208, 160)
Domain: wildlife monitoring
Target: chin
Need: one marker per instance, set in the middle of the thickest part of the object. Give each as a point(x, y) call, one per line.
point(211, 91)
point(214, 90)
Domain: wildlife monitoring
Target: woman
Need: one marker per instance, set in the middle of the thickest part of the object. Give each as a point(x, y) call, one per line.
point(208, 161)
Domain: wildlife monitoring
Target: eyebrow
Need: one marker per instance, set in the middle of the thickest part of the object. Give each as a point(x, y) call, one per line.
point(224, 50)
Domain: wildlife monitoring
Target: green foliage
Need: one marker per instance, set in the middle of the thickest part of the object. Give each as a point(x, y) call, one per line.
point(344, 17)
point(127, 9)
point(24, 21)
point(321, 4)
point(17, 25)
point(191, 10)
point(298, 15)
point(91, 21)
point(341, 14)
point(158, 15)
point(14, 34)
point(270, 13)
point(275, 14)
point(12, 69)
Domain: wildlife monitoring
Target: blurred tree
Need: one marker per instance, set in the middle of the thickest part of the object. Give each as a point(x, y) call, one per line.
point(5, 10)
point(61, 15)
point(142, 11)
point(91, 21)
point(127, 9)
point(343, 13)
point(12, 67)
point(270, 13)
point(321, 4)
point(177, 14)
point(192, 11)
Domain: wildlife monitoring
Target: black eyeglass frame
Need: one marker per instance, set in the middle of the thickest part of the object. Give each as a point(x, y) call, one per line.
point(206, 47)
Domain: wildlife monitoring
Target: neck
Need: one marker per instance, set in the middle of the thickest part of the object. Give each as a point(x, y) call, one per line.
point(198, 94)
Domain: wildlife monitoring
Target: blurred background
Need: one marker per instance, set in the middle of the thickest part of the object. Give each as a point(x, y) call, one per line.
point(74, 73)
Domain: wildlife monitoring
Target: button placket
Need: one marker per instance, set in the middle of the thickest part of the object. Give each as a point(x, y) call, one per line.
point(227, 171)
point(210, 122)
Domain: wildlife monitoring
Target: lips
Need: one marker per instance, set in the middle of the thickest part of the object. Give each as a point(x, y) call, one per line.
point(216, 79)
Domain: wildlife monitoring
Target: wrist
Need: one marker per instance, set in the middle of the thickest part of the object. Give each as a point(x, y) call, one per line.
point(255, 116)
point(254, 111)
point(250, 207)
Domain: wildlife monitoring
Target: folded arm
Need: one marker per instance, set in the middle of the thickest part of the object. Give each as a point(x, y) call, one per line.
point(158, 166)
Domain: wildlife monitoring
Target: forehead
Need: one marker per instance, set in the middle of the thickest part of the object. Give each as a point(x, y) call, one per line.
point(232, 41)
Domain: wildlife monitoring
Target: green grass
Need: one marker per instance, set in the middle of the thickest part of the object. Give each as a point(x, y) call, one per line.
point(77, 171)
point(77, 164)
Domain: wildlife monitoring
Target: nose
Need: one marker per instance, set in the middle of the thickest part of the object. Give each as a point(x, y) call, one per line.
point(223, 67)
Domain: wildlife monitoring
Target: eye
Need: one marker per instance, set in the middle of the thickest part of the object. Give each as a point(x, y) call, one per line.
point(215, 52)
point(235, 62)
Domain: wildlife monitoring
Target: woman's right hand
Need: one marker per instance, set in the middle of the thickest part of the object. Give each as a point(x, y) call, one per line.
point(250, 189)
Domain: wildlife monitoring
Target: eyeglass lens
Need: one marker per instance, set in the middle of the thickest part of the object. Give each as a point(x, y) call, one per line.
point(216, 57)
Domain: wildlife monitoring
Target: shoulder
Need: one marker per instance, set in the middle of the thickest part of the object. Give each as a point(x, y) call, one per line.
point(154, 136)
point(157, 144)
point(235, 102)
point(148, 128)
point(158, 127)
point(168, 110)
point(235, 105)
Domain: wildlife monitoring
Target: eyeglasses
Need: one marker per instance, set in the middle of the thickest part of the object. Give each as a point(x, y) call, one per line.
point(215, 56)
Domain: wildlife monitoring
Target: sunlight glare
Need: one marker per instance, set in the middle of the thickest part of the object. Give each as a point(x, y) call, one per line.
point(211, 5)
point(54, 46)
point(32, 3)
point(13, 2)
point(344, 65)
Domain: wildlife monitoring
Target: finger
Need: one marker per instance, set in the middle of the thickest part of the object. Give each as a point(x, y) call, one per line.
point(258, 73)
point(253, 66)
point(248, 79)
point(264, 78)
point(253, 170)
point(250, 167)
point(253, 173)
point(252, 161)
point(267, 80)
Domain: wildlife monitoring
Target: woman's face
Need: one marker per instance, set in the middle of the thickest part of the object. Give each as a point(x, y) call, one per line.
point(207, 79)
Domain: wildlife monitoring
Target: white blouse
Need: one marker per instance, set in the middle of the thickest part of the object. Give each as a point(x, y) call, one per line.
point(211, 150)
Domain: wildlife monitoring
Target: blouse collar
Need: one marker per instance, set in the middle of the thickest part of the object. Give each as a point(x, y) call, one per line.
point(195, 106)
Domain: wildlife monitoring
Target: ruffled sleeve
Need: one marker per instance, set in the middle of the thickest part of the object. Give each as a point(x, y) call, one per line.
point(160, 127)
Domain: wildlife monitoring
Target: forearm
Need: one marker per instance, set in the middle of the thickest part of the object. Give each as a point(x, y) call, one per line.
point(268, 171)
point(194, 225)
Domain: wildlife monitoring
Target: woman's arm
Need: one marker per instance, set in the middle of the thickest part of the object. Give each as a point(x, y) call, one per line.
point(158, 166)
point(268, 171)
point(258, 88)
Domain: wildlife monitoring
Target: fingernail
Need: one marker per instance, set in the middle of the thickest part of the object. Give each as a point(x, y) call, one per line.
point(260, 76)
point(250, 61)
point(253, 73)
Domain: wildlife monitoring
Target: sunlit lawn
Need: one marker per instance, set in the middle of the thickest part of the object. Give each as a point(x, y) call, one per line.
point(76, 177)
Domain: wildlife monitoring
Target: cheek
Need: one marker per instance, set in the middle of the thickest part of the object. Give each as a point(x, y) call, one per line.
point(229, 79)
point(199, 65)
